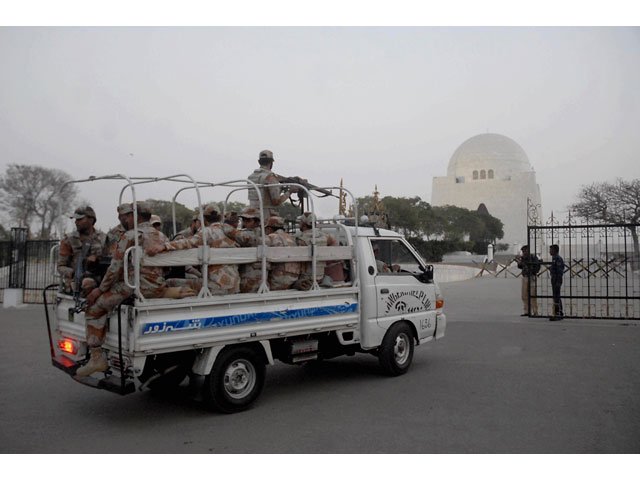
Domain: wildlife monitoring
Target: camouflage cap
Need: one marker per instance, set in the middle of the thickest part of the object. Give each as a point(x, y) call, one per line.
point(249, 212)
point(125, 208)
point(275, 222)
point(307, 218)
point(266, 155)
point(143, 207)
point(85, 211)
point(155, 219)
point(231, 215)
point(210, 209)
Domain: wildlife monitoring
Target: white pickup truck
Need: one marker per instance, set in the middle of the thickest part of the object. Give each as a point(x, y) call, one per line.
point(224, 342)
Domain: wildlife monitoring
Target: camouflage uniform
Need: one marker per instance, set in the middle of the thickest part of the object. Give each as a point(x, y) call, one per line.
point(71, 249)
point(250, 273)
point(184, 233)
point(282, 275)
point(113, 237)
point(191, 272)
point(264, 176)
point(113, 288)
point(305, 238)
point(222, 279)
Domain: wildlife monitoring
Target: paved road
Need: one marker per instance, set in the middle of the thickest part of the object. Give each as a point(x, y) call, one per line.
point(496, 383)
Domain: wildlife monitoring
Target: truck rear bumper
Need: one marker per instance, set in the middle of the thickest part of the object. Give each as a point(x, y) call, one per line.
point(111, 383)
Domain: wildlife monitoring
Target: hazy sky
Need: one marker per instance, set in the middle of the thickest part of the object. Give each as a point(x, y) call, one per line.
point(373, 106)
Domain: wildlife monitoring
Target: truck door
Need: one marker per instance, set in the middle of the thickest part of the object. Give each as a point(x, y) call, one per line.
point(404, 291)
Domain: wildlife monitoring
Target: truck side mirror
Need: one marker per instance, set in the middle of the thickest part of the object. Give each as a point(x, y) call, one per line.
point(427, 274)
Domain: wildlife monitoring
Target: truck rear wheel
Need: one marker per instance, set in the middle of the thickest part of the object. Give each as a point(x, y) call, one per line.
point(396, 351)
point(235, 381)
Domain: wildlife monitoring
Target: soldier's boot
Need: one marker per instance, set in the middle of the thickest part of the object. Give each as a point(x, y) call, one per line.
point(97, 363)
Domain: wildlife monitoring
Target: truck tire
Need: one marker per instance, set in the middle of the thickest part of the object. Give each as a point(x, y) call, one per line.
point(396, 351)
point(235, 381)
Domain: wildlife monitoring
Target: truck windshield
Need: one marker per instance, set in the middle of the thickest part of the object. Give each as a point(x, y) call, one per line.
point(393, 256)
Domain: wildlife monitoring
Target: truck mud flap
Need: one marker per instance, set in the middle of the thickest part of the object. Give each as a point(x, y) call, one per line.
point(110, 383)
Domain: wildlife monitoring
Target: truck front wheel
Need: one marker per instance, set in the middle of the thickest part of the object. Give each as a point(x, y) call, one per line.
point(396, 351)
point(235, 381)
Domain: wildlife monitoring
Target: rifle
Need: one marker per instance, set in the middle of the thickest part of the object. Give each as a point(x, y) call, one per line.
point(80, 269)
point(304, 183)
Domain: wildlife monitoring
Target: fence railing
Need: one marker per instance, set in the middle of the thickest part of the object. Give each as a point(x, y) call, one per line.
point(26, 264)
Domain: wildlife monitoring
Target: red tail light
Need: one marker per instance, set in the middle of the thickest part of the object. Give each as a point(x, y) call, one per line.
point(68, 346)
point(439, 302)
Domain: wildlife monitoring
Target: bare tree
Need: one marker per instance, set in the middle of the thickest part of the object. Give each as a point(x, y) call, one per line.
point(34, 195)
point(617, 203)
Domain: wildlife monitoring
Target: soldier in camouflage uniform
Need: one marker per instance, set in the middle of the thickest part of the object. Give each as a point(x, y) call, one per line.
point(272, 196)
point(305, 238)
point(231, 218)
point(79, 254)
point(191, 272)
point(156, 222)
point(283, 275)
point(222, 279)
point(250, 236)
point(113, 291)
point(115, 234)
point(191, 230)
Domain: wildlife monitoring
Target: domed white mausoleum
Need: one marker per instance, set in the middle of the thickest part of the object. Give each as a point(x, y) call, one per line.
point(494, 170)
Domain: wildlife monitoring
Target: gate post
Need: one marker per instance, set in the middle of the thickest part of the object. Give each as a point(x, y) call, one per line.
point(13, 296)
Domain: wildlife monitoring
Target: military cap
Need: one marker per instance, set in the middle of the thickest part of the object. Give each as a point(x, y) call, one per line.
point(249, 212)
point(266, 155)
point(125, 208)
point(230, 215)
point(275, 222)
point(155, 219)
point(307, 218)
point(210, 209)
point(143, 207)
point(85, 211)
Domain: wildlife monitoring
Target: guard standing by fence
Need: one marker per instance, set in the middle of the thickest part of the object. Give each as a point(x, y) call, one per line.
point(556, 270)
point(530, 265)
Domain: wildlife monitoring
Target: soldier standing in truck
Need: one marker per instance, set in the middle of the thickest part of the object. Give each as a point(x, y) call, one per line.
point(272, 191)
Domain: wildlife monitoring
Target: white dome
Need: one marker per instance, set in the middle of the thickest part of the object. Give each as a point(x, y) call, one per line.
point(488, 151)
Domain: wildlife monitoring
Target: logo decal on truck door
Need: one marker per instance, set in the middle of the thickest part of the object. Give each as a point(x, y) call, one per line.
point(407, 302)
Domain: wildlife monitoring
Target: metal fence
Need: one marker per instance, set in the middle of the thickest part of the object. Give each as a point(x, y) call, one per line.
point(602, 269)
point(26, 264)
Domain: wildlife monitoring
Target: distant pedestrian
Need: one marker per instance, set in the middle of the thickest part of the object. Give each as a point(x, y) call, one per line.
point(530, 265)
point(556, 270)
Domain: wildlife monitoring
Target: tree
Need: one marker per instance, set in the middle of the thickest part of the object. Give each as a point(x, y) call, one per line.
point(162, 208)
point(231, 206)
point(617, 203)
point(31, 194)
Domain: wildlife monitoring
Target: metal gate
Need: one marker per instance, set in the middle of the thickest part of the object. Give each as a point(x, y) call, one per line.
point(602, 269)
point(26, 264)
